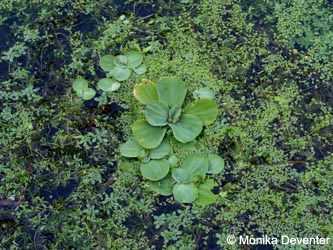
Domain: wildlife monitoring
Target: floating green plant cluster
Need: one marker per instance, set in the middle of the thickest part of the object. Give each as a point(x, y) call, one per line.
point(119, 68)
point(164, 111)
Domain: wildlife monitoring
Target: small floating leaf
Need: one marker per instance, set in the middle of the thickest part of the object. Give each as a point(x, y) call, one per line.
point(146, 135)
point(131, 149)
point(196, 166)
point(172, 91)
point(205, 195)
point(134, 59)
point(187, 128)
point(157, 113)
point(185, 193)
point(145, 92)
point(162, 150)
point(88, 94)
point(155, 169)
point(215, 164)
point(203, 93)
point(80, 84)
point(120, 60)
point(140, 69)
point(180, 174)
point(205, 109)
point(106, 84)
point(120, 73)
point(163, 187)
point(107, 62)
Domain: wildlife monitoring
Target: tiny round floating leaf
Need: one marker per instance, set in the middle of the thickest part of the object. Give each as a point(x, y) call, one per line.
point(120, 60)
point(105, 84)
point(88, 94)
point(80, 84)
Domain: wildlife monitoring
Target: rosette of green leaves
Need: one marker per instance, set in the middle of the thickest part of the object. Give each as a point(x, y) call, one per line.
point(80, 85)
point(164, 109)
point(120, 67)
point(191, 182)
point(153, 167)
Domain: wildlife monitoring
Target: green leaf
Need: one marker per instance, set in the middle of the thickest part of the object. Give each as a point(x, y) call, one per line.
point(132, 149)
point(80, 84)
point(162, 150)
point(140, 69)
point(107, 84)
point(120, 73)
point(197, 167)
point(173, 160)
point(215, 164)
point(163, 187)
point(87, 94)
point(120, 61)
point(107, 62)
point(157, 113)
point(134, 59)
point(171, 91)
point(145, 92)
point(174, 114)
point(187, 128)
point(203, 93)
point(205, 195)
point(185, 193)
point(205, 109)
point(180, 174)
point(155, 169)
point(146, 135)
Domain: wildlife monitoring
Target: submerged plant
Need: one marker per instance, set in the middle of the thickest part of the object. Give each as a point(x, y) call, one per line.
point(164, 109)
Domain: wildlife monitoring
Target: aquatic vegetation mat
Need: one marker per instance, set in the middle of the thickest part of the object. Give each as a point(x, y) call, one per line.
point(190, 124)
